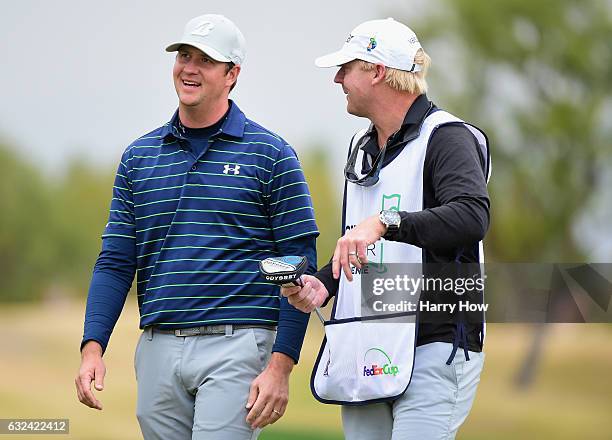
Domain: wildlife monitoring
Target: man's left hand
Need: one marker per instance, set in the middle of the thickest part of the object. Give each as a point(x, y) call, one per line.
point(351, 248)
point(269, 392)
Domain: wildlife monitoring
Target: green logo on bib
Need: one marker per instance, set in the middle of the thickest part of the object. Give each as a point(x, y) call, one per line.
point(392, 203)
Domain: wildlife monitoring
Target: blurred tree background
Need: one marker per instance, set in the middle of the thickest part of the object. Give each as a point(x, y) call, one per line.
point(50, 230)
point(537, 77)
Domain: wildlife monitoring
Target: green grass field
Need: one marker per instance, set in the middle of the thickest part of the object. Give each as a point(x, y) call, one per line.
point(571, 397)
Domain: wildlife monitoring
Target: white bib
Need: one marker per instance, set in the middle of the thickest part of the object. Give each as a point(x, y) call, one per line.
point(364, 361)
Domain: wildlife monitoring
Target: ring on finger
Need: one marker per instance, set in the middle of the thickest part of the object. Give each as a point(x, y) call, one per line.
point(276, 412)
point(353, 253)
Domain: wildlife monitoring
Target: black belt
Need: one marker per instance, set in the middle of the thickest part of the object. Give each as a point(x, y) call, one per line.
point(220, 329)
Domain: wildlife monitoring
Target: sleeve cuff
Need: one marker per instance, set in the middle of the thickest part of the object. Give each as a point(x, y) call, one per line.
point(99, 341)
point(331, 284)
point(289, 351)
point(401, 231)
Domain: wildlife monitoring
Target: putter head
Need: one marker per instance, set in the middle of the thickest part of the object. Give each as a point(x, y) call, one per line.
point(283, 270)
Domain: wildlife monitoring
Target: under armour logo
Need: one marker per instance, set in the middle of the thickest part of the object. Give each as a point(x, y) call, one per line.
point(228, 168)
point(203, 29)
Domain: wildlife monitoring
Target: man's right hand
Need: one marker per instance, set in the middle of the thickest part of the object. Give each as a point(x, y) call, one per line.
point(92, 370)
point(313, 294)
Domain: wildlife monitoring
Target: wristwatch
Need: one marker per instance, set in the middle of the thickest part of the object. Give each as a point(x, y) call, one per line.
point(391, 219)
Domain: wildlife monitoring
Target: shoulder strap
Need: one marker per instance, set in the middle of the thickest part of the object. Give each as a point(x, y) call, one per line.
point(356, 138)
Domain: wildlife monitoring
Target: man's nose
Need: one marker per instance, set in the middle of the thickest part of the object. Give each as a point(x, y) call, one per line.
point(339, 77)
point(190, 66)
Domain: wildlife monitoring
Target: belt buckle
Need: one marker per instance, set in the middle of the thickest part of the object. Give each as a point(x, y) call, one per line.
point(193, 331)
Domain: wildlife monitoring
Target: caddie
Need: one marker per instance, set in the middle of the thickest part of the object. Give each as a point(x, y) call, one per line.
point(415, 192)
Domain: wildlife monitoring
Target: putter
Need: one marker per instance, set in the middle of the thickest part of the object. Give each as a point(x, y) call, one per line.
point(286, 271)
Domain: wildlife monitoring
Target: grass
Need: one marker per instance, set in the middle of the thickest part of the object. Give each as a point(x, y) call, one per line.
point(272, 434)
point(570, 398)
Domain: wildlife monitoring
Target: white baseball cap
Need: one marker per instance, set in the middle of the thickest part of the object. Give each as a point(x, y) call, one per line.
point(216, 36)
point(387, 42)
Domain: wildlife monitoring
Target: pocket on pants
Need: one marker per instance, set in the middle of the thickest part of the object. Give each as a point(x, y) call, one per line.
point(263, 340)
point(136, 353)
point(468, 372)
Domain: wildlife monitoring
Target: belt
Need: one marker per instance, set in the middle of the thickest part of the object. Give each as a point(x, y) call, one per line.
point(221, 329)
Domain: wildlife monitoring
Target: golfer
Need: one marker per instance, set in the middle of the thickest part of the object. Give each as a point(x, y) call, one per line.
point(197, 203)
point(415, 192)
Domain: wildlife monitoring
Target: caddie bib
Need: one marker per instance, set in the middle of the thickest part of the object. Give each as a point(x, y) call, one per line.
point(370, 359)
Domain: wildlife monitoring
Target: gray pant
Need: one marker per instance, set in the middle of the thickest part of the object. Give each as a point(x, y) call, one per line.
point(435, 405)
point(196, 387)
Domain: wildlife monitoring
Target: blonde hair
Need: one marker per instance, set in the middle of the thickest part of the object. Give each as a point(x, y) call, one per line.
point(402, 80)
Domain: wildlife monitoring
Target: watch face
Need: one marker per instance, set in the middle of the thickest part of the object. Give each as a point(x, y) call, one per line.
point(391, 218)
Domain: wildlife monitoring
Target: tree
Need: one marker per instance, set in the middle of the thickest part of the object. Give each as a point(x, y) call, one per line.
point(50, 228)
point(536, 76)
point(25, 249)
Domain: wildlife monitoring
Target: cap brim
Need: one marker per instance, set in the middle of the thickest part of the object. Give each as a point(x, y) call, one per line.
point(204, 48)
point(334, 59)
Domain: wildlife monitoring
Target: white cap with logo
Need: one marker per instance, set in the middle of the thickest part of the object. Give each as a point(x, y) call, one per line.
point(386, 42)
point(216, 36)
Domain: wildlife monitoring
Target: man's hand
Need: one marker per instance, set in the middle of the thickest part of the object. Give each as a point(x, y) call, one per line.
point(269, 392)
point(312, 295)
point(92, 370)
point(351, 248)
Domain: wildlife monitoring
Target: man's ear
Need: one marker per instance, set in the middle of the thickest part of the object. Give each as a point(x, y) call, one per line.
point(379, 74)
point(232, 74)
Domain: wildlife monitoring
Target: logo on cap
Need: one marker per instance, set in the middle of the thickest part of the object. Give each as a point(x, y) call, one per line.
point(372, 44)
point(350, 37)
point(203, 29)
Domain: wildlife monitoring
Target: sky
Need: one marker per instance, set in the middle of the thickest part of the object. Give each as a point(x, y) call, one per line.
point(86, 78)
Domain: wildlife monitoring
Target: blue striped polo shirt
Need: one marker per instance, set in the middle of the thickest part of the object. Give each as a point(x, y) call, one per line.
point(202, 224)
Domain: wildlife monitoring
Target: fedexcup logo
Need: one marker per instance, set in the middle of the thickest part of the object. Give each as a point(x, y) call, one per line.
point(382, 364)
